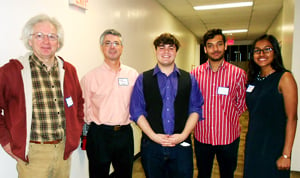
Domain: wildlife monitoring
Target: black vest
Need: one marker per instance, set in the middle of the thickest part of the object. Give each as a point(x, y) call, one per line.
point(154, 102)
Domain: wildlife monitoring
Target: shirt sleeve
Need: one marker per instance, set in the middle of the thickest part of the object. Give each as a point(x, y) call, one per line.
point(241, 93)
point(137, 101)
point(86, 96)
point(5, 136)
point(196, 98)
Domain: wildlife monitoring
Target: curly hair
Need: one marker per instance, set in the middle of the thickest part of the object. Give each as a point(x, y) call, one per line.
point(28, 29)
point(166, 38)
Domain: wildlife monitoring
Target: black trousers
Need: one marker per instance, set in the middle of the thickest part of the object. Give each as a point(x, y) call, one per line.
point(109, 144)
point(226, 157)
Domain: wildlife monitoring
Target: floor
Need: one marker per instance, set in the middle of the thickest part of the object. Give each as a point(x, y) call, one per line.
point(138, 171)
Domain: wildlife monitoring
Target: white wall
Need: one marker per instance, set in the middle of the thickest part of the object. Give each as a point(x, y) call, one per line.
point(286, 28)
point(296, 72)
point(139, 21)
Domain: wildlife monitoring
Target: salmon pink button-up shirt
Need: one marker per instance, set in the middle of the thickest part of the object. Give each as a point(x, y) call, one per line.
point(107, 94)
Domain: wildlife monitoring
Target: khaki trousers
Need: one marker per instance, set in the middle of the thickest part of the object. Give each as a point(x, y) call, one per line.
point(45, 161)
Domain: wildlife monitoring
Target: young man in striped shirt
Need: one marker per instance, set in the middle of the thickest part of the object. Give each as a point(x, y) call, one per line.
point(223, 88)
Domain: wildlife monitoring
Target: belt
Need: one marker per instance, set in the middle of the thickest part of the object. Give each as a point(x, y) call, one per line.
point(114, 127)
point(47, 142)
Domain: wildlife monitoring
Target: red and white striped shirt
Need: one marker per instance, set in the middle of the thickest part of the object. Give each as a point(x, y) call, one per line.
point(224, 101)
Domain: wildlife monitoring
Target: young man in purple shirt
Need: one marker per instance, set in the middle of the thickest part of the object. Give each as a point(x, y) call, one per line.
point(166, 104)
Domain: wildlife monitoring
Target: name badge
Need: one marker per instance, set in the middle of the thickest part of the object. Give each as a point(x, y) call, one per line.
point(185, 144)
point(223, 90)
point(250, 88)
point(2, 112)
point(69, 101)
point(123, 81)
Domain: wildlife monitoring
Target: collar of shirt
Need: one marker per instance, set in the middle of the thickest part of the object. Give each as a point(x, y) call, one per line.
point(108, 68)
point(157, 70)
point(206, 66)
point(40, 64)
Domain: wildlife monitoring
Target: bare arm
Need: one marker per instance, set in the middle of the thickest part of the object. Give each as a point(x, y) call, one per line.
point(189, 126)
point(161, 139)
point(288, 88)
point(168, 140)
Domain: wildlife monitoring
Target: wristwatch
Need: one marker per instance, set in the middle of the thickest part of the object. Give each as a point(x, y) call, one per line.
point(286, 156)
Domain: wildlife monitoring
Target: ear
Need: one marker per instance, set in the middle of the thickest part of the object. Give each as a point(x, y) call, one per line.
point(30, 42)
point(205, 51)
point(225, 45)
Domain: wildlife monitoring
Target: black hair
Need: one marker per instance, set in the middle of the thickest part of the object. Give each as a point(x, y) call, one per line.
point(277, 64)
point(210, 34)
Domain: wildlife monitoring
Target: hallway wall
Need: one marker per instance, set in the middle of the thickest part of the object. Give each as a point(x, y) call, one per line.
point(296, 72)
point(286, 29)
point(139, 21)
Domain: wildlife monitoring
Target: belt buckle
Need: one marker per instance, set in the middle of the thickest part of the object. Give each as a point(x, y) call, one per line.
point(117, 128)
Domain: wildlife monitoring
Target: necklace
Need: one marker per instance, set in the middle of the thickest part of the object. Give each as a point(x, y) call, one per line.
point(260, 78)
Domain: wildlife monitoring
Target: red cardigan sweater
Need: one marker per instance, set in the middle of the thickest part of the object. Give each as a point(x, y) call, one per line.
point(16, 110)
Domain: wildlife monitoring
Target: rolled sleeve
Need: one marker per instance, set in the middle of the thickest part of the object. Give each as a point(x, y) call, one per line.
point(196, 99)
point(137, 101)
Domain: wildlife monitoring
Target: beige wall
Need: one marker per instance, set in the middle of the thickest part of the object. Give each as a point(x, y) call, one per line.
point(139, 21)
point(283, 29)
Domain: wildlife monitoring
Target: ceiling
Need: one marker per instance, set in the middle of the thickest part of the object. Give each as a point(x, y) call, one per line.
point(257, 18)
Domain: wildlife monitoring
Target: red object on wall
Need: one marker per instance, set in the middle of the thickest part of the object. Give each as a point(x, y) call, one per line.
point(230, 42)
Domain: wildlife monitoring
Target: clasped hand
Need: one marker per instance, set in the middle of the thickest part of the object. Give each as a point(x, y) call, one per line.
point(168, 140)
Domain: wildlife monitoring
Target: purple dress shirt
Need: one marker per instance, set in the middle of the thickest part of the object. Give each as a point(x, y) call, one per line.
point(168, 89)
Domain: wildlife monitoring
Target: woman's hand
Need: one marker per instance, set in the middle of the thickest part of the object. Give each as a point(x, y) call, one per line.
point(283, 163)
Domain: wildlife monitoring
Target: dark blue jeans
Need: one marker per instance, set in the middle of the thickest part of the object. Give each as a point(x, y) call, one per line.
point(166, 162)
point(226, 156)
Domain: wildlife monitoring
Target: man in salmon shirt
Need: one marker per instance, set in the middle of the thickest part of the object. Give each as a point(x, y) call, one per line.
point(107, 90)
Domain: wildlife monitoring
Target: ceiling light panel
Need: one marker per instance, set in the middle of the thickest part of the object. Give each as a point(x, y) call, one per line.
point(223, 6)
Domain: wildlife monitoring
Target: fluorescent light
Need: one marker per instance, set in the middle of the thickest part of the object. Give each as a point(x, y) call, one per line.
point(222, 6)
point(234, 31)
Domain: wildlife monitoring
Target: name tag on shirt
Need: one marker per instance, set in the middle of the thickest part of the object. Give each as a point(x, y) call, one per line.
point(123, 81)
point(185, 144)
point(250, 88)
point(69, 101)
point(223, 90)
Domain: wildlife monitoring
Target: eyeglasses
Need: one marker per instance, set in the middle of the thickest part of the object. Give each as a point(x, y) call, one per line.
point(266, 50)
point(40, 36)
point(109, 43)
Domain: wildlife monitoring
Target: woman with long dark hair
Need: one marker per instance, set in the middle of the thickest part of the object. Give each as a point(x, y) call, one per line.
point(272, 103)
